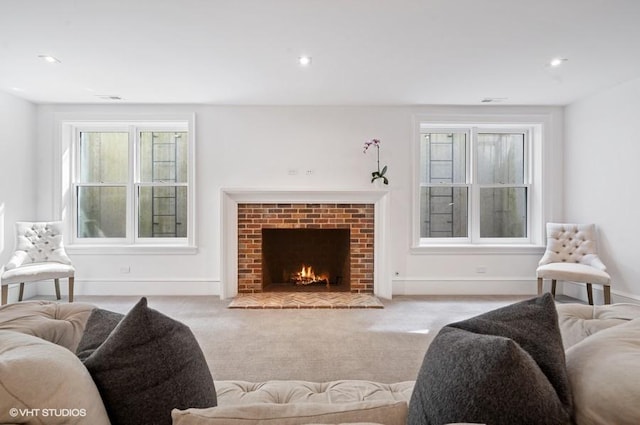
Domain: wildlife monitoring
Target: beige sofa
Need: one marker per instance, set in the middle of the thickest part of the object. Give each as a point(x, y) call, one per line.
point(41, 375)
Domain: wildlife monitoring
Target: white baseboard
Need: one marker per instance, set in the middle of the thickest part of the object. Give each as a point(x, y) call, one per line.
point(510, 286)
point(410, 286)
point(413, 286)
point(134, 287)
point(579, 291)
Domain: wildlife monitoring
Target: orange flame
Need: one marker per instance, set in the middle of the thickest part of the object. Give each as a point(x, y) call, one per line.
point(307, 272)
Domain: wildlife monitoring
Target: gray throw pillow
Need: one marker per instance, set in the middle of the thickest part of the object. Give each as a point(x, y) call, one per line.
point(506, 366)
point(99, 326)
point(149, 365)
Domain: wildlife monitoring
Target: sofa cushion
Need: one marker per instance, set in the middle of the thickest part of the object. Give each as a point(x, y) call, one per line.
point(242, 392)
point(62, 324)
point(578, 321)
point(98, 328)
point(384, 412)
point(44, 383)
point(503, 367)
point(604, 374)
point(149, 365)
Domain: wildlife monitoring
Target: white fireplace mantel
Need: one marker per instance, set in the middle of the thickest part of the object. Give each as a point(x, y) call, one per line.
point(230, 198)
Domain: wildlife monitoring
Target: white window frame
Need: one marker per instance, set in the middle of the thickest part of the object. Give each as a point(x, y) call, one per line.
point(69, 171)
point(467, 183)
point(476, 187)
point(536, 128)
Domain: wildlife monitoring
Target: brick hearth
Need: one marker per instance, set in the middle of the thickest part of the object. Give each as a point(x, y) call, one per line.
point(252, 218)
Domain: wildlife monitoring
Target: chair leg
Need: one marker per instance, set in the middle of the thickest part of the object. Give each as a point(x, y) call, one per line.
point(71, 281)
point(21, 293)
point(5, 294)
point(57, 284)
point(590, 294)
point(553, 288)
point(540, 286)
point(607, 294)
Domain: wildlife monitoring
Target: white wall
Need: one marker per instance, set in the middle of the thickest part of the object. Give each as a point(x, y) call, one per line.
point(602, 149)
point(19, 168)
point(255, 147)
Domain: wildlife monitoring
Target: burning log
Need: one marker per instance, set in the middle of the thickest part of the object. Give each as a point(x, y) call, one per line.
point(306, 276)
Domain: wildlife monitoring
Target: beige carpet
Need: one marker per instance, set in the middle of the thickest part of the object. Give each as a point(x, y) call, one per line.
point(305, 300)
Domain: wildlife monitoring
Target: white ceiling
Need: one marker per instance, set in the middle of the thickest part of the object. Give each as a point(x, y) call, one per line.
point(381, 52)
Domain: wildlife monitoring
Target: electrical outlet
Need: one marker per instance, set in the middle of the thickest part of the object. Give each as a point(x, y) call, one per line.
point(310, 172)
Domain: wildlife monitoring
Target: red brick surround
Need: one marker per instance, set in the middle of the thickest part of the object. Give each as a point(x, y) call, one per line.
point(252, 218)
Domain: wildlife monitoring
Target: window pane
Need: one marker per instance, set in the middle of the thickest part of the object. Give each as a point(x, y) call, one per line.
point(104, 157)
point(163, 156)
point(443, 212)
point(162, 212)
point(503, 212)
point(443, 157)
point(102, 212)
point(500, 158)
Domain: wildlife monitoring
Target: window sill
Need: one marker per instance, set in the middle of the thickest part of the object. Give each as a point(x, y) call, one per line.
point(131, 249)
point(477, 249)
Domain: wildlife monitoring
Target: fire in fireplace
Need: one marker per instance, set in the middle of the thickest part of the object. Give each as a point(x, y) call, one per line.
point(305, 259)
point(306, 276)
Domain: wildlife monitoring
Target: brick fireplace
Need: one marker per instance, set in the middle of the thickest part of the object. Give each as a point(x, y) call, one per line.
point(364, 213)
point(256, 222)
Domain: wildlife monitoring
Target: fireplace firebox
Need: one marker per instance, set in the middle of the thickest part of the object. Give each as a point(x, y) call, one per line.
point(305, 259)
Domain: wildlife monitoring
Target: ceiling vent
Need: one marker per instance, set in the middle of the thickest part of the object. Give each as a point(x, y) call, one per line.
point(493, 99)
point(108, 97)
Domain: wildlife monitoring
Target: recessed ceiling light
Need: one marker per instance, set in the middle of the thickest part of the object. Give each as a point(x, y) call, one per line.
point(304, 60)
point(556, 62)
point(49, 59)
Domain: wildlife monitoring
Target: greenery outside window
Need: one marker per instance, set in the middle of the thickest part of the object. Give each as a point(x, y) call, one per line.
point(132, 183)
point(474, 185)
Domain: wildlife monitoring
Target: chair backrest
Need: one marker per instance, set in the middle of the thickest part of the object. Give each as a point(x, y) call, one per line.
point(38, 242)
point(573, 243)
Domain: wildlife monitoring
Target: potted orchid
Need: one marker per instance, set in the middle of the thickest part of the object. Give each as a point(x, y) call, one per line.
point(379, 174)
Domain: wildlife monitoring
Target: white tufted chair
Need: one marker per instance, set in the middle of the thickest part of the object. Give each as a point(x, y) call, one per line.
point(572, 255)
point(39, 255)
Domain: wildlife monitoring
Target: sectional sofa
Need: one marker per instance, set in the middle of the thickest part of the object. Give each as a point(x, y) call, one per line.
point(43, 378)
